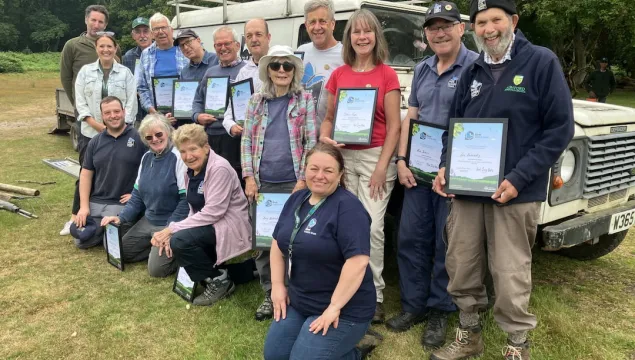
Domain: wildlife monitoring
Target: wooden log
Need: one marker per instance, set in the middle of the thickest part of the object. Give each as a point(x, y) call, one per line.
point(19, 190)
point(5, 196)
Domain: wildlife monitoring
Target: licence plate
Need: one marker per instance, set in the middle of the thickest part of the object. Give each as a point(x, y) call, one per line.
point(622, 221)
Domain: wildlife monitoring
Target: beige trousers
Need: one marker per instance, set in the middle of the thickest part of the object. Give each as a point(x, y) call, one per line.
point(360, 165)
point(509, 232)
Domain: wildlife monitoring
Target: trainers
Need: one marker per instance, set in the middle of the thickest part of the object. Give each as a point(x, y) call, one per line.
point(405, 321)
point(516, 351)
point(265, 310)
point(369, 342)
point(467, 345)
point(434, 334)
point(215, 289)
point(380, 315)
point(66, 230)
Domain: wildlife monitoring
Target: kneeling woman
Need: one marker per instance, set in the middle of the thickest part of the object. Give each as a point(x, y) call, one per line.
point(217, 227)
point(322, 241)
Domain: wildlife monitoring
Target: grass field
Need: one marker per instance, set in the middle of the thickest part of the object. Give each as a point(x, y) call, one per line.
point(58, 302)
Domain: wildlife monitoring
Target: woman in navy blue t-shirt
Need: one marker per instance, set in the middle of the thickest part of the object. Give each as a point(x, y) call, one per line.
point(322, 242)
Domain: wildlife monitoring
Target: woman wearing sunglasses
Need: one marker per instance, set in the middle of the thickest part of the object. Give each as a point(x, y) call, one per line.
point(158, 196)
point(279, 131)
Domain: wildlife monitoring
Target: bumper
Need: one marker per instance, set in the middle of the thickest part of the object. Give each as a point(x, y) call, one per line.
point(580, 229)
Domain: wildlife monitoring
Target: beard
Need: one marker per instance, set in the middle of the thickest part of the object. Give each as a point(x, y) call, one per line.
point(504, 41)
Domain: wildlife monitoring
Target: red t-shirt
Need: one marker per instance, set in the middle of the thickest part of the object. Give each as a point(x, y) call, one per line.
point(382, 77)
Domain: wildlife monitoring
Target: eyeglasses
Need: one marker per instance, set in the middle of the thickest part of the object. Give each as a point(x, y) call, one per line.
point(157, 135)
point(160, 28)
point(286, 66)
point(187, 43)
point(107, 33)
point(445, 28)
point(219, 46)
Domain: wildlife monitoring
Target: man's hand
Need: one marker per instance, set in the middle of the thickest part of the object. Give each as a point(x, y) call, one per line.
point(505, 192)
point(236, 130)
point(171, 118)
point(251, 189)
point(592, 94)
point(328, 140)
point(405, 175)
point(438, 186)
point(82, 215)
point(205, 119)
point(110, 219)
point(124, 198)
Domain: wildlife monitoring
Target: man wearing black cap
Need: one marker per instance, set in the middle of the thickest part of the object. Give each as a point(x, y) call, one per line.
point(142, 36)
point(200, 59)
point(601, 82)
point(523, 83)
point(423, 279)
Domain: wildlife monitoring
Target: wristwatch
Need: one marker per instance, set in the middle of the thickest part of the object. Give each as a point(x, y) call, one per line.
point(400, 158)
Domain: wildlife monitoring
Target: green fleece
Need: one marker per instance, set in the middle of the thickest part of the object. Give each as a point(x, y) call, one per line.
point(77, 52)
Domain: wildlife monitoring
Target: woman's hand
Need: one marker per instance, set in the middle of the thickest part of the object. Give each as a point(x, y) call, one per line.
point(301, 184)
point(330, 316)
point(110, 219)
point(377, 183)
point(251, 188)
point(161, 237)
point(124, 198)
point(166, 247)
point(328, 140)
point(280, 300)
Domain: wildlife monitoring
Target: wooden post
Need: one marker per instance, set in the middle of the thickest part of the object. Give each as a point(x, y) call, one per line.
point(19, 190)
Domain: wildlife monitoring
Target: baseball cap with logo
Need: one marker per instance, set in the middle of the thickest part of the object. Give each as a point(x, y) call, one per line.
point(604, 60)
point(442, 10)
point(140, 21)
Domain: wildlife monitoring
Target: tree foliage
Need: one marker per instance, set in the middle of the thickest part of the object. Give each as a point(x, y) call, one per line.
point(47, 29)
point(8, 36)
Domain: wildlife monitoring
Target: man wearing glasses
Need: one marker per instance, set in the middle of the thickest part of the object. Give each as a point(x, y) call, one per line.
point(200, 59)
point(161, 58)
point(423, 279)
point(142, 35)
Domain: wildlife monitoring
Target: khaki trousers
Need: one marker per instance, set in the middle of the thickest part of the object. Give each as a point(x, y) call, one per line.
point(360, 165)
point(509, 232)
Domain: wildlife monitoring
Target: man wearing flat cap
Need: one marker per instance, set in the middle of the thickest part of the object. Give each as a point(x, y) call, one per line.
point(523, 83)
point(423, 280)
point(601, 82)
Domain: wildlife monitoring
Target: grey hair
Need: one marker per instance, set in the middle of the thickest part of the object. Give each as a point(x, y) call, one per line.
point(158, 17)
point(155, 119)
point(313, 5)
point(227, 29)
point(268, 89)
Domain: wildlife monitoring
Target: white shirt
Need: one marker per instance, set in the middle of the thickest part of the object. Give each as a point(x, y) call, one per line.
point(508, 54)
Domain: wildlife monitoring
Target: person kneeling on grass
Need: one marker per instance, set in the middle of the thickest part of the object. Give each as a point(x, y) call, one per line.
point(217, 227)
point(158, 194)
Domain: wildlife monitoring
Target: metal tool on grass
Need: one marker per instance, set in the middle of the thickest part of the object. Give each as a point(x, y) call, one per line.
point(5, 205)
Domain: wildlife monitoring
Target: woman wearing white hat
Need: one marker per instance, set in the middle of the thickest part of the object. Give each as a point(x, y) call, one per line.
point(279, 131)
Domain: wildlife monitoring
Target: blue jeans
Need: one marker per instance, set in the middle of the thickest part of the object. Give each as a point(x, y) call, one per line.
point(290, 339)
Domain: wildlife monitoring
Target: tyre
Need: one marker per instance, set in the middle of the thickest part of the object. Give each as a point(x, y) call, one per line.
point(607, 243)
point(74, 133)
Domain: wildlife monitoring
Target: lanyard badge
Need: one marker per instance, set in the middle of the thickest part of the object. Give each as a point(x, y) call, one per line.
point(298, 224)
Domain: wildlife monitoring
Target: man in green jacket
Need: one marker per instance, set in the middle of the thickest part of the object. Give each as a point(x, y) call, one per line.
point(601, 82)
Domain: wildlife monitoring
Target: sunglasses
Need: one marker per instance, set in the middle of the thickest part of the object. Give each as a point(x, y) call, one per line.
point(157, 135)
point(287, 66)
point(107, 33)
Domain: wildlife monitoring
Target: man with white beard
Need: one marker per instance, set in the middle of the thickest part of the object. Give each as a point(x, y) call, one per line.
point(523, 83)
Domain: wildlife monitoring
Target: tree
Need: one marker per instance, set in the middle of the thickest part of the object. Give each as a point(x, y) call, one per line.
point(47, 29)
point(9, 36)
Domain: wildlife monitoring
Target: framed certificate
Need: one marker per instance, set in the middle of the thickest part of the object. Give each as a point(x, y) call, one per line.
point(112, 235)
point(476, 156)
point(265, 212)
point(299, 54)
point(354, 115)
point(162, 87)
point(216, 95)
point(241, 92)
point(184, 286)
point(424, 150)
point(183, 96)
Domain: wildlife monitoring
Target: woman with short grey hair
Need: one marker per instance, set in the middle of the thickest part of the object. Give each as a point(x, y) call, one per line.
point(158, 197)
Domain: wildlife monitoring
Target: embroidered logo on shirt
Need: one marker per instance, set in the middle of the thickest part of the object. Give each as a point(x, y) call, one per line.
point(518, 79)
point(200, 188)
point(309, 226)
point(482, 5)
point(453, 81)
point(130, 142)
point(475, 89)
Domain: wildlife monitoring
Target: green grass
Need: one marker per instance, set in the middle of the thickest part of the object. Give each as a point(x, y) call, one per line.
point(619, 97)
point(58, 302)
point(43, 62)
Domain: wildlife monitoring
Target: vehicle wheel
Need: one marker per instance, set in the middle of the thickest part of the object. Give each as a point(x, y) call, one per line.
point(74, 133)
point(585, 251)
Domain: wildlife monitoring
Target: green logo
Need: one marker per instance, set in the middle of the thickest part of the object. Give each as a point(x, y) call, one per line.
point(518, 89)
point(518, 79)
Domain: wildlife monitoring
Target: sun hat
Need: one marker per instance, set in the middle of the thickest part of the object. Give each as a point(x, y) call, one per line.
point(280, 51)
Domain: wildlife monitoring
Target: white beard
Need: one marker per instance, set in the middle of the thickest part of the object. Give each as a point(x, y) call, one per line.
point(498, 50)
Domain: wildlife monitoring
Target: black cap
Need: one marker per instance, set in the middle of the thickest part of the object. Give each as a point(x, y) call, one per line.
point(443, 10)
point(186, 33)
point(604, 60)
point(477, 6)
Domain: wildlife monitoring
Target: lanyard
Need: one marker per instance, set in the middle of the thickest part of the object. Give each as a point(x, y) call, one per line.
point(299, 224)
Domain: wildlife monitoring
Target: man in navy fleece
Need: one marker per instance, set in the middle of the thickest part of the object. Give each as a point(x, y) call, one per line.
point(524, 83)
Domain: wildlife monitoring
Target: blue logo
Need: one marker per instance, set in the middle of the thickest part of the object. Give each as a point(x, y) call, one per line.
point(423, 136)
point(130, 142)
point(310, 77)
point(469, 135)
point(311, 224)
point(453, 81)
point(269, 203)
point(200, 188)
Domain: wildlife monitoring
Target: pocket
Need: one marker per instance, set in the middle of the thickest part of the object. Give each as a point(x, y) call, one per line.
point(117, 89)
point(448, 224)
point(89, 86)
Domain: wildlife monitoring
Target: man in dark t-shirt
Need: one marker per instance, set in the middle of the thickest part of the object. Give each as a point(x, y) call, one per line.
point(601, 82)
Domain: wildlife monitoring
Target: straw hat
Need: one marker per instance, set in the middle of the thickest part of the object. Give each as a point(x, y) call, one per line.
point(280, 51)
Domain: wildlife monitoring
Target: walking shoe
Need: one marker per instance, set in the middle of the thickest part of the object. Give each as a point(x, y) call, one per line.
point(434, 334)
point(467, 345)
point(516, 351)
point(405, 321)
point(66, 230)
point(369, 342)
point(265, 310)
point(379, 316)
point(215, 289)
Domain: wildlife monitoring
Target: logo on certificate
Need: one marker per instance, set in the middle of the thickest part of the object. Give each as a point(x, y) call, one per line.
point(130, 142)
point(475, 89)
point(518, 79)
point(453, 81)
point(200, 188)
point(469, 135)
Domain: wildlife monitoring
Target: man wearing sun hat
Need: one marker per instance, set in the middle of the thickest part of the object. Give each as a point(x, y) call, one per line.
point(523, 83)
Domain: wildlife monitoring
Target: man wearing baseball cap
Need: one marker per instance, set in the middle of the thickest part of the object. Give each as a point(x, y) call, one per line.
point(142, 35)
point(523, 83)
point(423, 279)
point(200, 59)
point(601, 82)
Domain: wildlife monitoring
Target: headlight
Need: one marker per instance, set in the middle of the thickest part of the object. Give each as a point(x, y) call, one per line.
point(567, 166)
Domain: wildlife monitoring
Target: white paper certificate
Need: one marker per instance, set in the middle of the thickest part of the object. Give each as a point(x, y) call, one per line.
point(183, 285)
point(354, 116)
point(268, 209)
point(424, 150)
point(112, 244)
point(184, 92)
point(216, 95)
point(241, 93)
point(162, 89)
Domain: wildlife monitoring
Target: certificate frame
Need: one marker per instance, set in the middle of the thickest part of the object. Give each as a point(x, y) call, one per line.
point(456, 124)
point(421, 176)
point(208, 82)
point(164, 109)
point(176, 115)
point(264, 242)
point(352, 139)
point(232, 87)
point(299, 54)
point(112, 260)
point(182, 290)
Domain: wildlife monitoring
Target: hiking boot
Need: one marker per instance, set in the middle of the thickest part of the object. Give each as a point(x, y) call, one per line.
point(369, 342)
point(265, 310)
point(405, 321)
point(434, 334)
point(516, 351)
point(215, 289)
point(379, 316)
point(467, 345)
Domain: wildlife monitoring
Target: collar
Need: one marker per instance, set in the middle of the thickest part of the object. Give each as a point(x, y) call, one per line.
point(459, 61)
point(165, 151)
point(124, 132)
point(507, 57)
point(234, 63)
point(97, 67)
point(206, 56)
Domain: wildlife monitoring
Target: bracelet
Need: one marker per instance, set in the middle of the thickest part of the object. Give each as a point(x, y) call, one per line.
point(399, 158)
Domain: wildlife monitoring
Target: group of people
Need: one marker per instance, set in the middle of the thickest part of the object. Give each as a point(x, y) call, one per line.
point(182, 196)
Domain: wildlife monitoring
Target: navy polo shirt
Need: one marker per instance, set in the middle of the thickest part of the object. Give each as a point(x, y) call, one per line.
point(432, 94)
point(115, 162)
point(338, 230)
point(196, 188)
